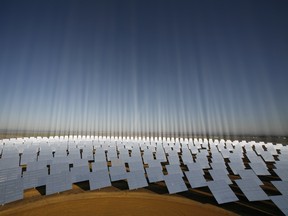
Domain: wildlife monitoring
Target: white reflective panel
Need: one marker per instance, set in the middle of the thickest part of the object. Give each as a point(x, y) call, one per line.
point(278, 146)
point(70, 157)
point(58, 182)
point(229, 146)
point(148, 156)
point(203, 153)
point(236, 166)
point(143, 147)
point(225, 153)
point(251, 190)
point(186, 151)
point(281, 202)
point(58, 168)
point(259, 168)
point(99, 179)
point(112, 153)
point(173, 160)
point(135, 151)
point(136, 180)
point(101, 165)
point(196, 178)
point(124, 158)
point(117, 173)
point(45, 157)
point(135, 158)
point(175, 183)
point(154, 163)
point(195, 166)
point(152, 148)
point(59, 152)
point(79, 174)
point(259, 150)
point(205, 145)
point(174, 169)
point(72, 146)
point(11, 190)
point(267, 156)
point(220, 174)
point(36, 165)
point(283, 157)
point(28, 157)
point(282, 173)
point(117, 162)
point(248, 148)
point(34, 178)
point(9, 174)
point(154, 174)
point(87, 154)
point(220, 146)
point(62, 159)
point(136, 166)
point(186, 158)
point(177, 147)
point(249, 174)
point(219, 166)
point(80, 162)
point(237, 152)
point(6, 163)
point(281, 164)
point(71, 150)
point(253, 158)
point(282, 186)
point(284, 149)
point(122, 150)
point(203, 162)
point(45, 151)
point(160, 155)
point(198, 146)
point(172, 153)
point(10, 152)
point(222, 192)
point(217, 157)
point(194, 149)
point(99, 155)
point(214, 151)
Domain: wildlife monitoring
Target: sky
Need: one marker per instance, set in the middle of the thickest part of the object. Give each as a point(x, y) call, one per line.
point(144, 66)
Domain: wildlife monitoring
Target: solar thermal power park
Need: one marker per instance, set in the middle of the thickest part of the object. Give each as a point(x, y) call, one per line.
point(225, 176)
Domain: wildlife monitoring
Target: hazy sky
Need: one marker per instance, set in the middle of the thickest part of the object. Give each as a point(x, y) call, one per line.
point(216, 67)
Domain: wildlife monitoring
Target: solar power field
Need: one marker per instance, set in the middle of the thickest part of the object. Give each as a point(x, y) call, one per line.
point(235, 174)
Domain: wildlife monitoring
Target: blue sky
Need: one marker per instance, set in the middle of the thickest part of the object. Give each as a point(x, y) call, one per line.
point(153, 66)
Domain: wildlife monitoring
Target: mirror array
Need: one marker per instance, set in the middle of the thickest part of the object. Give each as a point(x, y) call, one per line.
point(182, 164)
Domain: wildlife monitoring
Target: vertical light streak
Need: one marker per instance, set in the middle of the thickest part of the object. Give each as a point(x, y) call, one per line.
point(143, 68)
